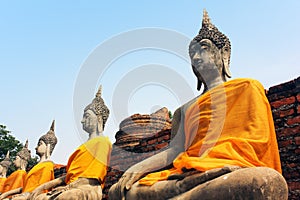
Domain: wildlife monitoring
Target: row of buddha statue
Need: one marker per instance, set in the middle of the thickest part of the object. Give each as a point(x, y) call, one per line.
point(223, 144)
point(86, 167)
point(21, 181)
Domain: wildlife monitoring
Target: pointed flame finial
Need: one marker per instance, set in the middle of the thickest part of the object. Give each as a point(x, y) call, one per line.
point(26, 144)
point(99, 93)
point(7, 155)
point(52, 125)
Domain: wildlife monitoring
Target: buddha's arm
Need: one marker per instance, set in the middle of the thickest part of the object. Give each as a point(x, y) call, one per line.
point(47, 186)
point(11, 192)
point(158, 161)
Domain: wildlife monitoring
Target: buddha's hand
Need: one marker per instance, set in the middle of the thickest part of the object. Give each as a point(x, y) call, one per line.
point(47, 186)
point(33, 195)
point(58, 190)
point(126, 181)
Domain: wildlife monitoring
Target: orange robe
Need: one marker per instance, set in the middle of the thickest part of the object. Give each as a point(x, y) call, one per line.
point(90, 160)
point(230, 125)
point(14, 181)
point(39, 174)
point(2, 180)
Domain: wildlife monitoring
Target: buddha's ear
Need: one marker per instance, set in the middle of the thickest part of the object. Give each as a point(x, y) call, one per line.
point(199, 84)
point(199, 81)
point(100, 124)
point(225, 58)
point(48, 151)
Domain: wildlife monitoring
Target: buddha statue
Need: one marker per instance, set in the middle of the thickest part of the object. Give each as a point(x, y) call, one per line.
point(223, 143)
point(17, 178)
point(42, 172)
point(4, 165)
point(87, 166)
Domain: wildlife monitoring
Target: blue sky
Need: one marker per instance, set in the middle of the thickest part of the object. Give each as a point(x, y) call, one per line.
point(45, 44)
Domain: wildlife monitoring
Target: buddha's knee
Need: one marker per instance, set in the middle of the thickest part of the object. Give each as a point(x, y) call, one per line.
point(252, 183)
point(112, 193)
point(264, 182)
point(247, 183)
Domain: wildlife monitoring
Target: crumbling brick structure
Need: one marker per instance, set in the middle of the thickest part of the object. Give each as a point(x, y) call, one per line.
point(139, 137)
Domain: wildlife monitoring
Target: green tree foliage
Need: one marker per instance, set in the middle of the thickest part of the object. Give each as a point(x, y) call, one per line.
point(31, 162)
point(11, 144)
point(8, 143)
point(170, 115)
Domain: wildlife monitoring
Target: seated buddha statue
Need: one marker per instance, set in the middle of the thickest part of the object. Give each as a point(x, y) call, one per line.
point(4, 165)
point(87, 166)
point(17, 178)
point(223, 143)
point(42, 172)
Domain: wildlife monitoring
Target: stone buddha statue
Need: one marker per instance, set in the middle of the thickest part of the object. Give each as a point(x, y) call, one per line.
point(17, 178)
point(223, 143)
point(4, 165)
point(87, 166)
point(41, 172)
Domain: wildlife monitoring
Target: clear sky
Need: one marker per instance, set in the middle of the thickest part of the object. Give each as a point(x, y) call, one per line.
point(138, 50)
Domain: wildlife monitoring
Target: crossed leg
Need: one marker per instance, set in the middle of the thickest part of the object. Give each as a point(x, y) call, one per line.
point(225, 183)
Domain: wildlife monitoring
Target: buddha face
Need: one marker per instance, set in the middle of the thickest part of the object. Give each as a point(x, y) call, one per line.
point(1, 169)
point(41, 148)
point(17, 162)
point(206, 59)
point(89, 121)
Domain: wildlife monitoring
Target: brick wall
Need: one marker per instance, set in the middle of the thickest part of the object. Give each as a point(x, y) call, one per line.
point(285, 104)
point(138, 138)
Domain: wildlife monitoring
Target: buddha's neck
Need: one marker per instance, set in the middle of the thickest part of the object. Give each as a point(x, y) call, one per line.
point(21, 168)
point(211, 83)
point(44, 158)
point(95, 134)
point(3, 174)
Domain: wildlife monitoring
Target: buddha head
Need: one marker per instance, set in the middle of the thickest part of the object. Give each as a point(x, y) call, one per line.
point(22, 157)
point(208, 50)
point(95, 114)
point(47, 140)
point(4, 165)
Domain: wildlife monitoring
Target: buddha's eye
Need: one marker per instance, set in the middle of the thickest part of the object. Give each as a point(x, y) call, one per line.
point(192, 53)
point(204, 47)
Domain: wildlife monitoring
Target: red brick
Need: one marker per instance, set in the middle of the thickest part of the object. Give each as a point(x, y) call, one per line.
point(143, 144)
point(284, 113)
point(297, 151)
point(281, 102)
point(289, 131)
point(151, 148)
point(298, 109)
point(294, 185)
point(160, 139)
point(294, 120)
point(297, 140)
point(298, 97)
point(285, 143)
point(291, 165)
point(291, 175)
point(162, 145)
point(153, 141)
point(166, 137)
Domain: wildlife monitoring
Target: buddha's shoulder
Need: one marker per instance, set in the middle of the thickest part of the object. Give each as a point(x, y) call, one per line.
point(249, 81)
point(182, 109)
point(99, 140)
